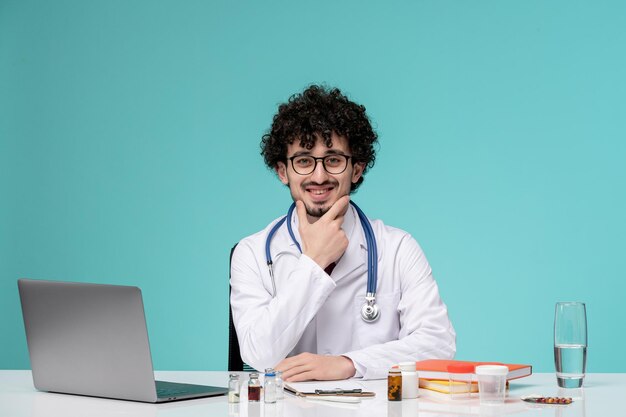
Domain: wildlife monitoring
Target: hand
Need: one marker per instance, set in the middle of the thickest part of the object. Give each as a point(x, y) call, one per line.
point(309, 366)
point(324, 241)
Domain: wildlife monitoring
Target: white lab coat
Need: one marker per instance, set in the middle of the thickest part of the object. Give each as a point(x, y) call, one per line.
point(317, 313)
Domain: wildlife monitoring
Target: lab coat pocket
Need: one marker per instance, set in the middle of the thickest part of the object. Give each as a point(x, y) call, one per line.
point(386, 328)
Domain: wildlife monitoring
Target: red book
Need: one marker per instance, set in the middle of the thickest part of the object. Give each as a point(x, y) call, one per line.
point(438, 368)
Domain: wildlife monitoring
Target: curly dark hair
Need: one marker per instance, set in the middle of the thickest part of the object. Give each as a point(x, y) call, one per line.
point(318, 112)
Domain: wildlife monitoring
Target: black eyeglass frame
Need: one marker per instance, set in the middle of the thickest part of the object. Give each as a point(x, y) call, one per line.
point(323, 159)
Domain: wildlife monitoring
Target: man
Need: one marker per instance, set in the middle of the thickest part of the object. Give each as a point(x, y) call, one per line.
point(306, 321)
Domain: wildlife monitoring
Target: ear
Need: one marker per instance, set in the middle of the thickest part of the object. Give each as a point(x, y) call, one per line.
point(357, 171)
point(281, 171)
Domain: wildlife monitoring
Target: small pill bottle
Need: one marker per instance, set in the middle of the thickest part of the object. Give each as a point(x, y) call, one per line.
point(460, 380)
point(410, 382)
point(394, 385)
point(269, 386)
point(233, 388)
point(254, 388)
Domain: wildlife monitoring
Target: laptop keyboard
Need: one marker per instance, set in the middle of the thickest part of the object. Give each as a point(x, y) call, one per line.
point(168, 392)
point(172, 389)
point(175, 390)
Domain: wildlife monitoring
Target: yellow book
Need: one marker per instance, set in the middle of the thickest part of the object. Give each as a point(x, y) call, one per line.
point(446, 387)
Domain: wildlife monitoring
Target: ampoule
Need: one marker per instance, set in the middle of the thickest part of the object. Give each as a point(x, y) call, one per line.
point(269, 387)
point(254, 388)
point(280, 386)
point(233, 388)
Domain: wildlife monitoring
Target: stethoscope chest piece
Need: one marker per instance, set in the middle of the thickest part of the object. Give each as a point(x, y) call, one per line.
point(370, 311)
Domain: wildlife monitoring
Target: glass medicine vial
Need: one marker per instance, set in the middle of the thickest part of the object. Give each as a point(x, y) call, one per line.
point(280, 392)
point(394, 385)
point(254, 388)
point(269, 386)
point(233, 388)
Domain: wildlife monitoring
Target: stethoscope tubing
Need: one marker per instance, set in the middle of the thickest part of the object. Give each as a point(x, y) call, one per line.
point(372, 251)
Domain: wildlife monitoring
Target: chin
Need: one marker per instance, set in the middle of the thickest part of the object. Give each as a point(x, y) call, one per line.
point(317, 210)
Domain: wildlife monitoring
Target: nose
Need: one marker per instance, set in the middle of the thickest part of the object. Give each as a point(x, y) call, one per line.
point(319, 174)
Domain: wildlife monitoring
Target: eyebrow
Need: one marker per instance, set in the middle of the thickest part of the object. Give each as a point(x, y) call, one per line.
point(309, 153)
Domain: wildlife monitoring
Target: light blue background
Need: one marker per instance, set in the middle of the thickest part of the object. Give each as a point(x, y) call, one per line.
point(129, 154)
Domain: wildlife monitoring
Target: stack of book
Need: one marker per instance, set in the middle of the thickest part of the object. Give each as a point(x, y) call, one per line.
point(434, 376)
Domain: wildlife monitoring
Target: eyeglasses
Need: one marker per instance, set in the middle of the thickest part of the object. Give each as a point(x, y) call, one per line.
point(306, 164)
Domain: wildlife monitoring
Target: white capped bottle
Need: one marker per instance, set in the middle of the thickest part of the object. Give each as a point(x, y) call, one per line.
point(410, 382)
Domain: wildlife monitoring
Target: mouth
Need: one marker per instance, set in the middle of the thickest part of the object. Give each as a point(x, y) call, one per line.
point(319, 193)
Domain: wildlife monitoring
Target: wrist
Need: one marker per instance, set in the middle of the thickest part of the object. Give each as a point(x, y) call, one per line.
point(319, 260)
point(348, 367)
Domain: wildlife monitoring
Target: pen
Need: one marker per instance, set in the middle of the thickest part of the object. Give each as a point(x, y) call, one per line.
point(338, 391)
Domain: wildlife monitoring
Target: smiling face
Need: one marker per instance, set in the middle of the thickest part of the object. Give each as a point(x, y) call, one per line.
point(319, 190)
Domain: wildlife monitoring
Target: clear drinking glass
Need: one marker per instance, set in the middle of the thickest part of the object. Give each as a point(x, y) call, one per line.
point(570, 343)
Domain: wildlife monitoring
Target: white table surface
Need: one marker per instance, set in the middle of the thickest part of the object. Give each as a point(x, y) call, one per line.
point(601, 396)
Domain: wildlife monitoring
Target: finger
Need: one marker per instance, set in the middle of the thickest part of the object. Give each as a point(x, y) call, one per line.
point(287, 363)
point(293, 361)
point(298, 370)
point(301, 212)
point(304, 376)
point(338, 209)
point(345, 209)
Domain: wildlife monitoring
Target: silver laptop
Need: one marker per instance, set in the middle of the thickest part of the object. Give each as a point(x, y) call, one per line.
point(91, 339)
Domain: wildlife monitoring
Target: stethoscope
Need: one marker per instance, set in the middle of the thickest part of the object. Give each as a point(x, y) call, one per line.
point(369, 311)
